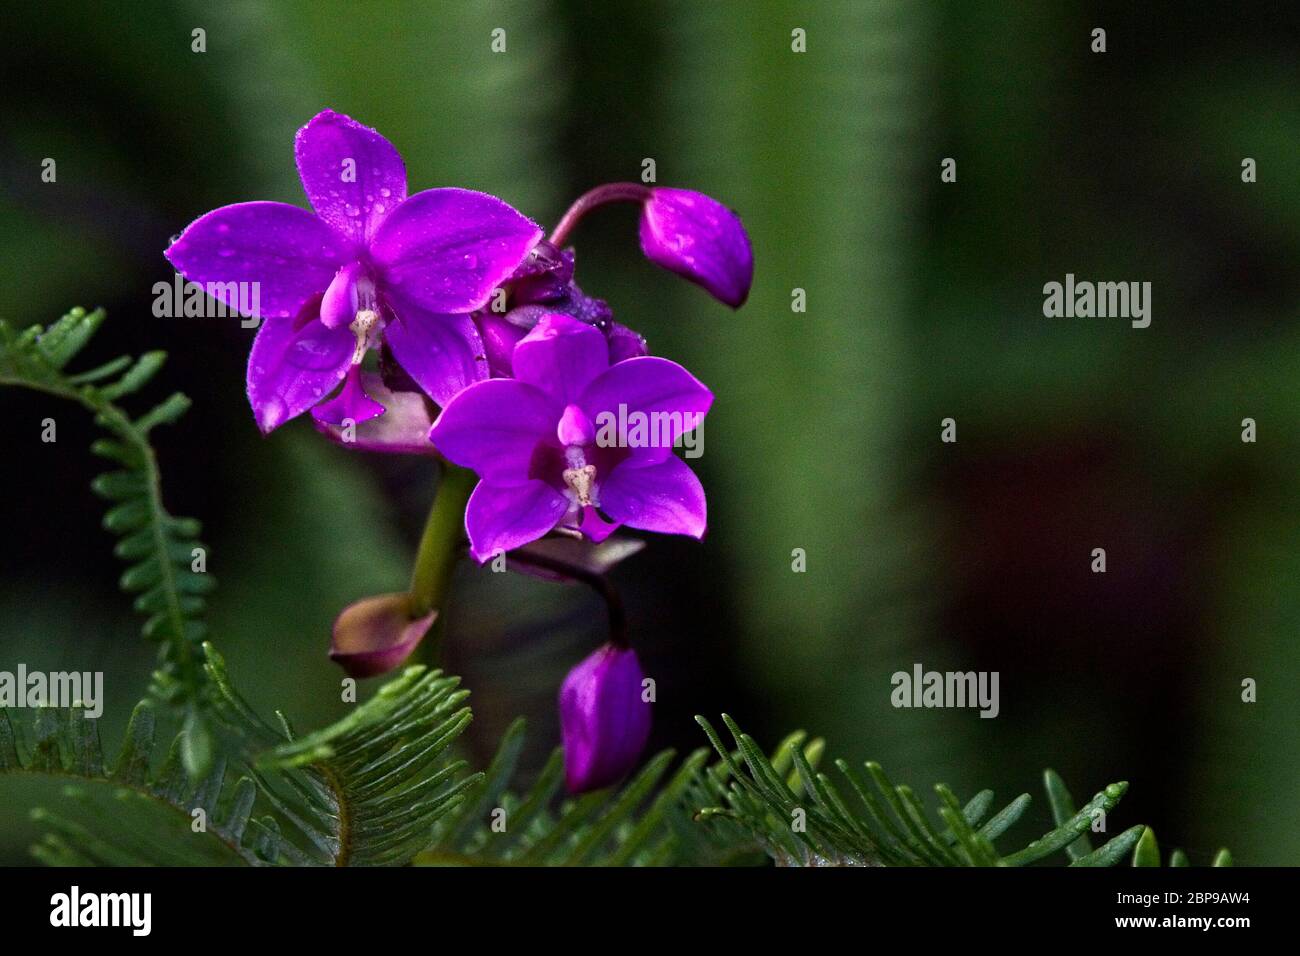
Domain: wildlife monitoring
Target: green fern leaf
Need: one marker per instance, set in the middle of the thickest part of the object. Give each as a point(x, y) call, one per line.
point(642, 822)
point(808, 822)
point(161, 551)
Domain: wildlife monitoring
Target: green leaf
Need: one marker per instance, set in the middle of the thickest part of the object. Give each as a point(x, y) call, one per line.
point(1062, 805)
point(157, 547)
point(1147, 852)
point(888, 825)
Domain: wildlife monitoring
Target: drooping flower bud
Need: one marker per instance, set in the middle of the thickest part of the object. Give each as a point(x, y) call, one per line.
point(376, 634)
point(701, 240)
point(604, 720)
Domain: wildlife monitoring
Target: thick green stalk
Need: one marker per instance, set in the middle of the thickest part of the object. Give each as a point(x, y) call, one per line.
point(440, 543)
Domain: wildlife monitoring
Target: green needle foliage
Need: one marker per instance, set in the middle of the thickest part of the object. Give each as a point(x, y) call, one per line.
point(801, 818)
point(161, 551)
point(143, 808)
point(366, 790)
point(1147, 853)
point(645, 822)
point(363, 792)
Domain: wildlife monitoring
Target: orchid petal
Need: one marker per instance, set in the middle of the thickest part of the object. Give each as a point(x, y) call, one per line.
point(625, 344)
point(449, 248)
point(591, 524)
point(666, 497)
point(442, 353)
point(561, 356)
point(495, 427)
point(353, 176)
point(293, 366)
point(500, 518)
point(277, 253)
point(671, 399)
point(339, 304)
point(500, 336)
point(402, 429)
point(575, 427)
point(352, 404)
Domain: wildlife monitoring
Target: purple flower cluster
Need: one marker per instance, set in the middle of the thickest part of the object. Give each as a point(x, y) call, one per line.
point(469, 309)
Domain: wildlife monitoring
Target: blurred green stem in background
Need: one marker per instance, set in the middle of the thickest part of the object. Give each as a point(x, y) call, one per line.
point(440, 546)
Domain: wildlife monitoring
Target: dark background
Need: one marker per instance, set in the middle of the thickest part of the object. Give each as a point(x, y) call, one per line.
point(924, 302)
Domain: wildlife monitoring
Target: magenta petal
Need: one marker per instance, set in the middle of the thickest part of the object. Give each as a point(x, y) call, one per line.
point(650, 386)
point(625, 344)
point(664, 497)
point(604, 720)
point(500, 336)
point(339, 305)
point(699, 239)
point(500, 518)
point(352, 404)
point(443, 353)
point(352, 175)
point(287, 252)
point(495, 427)
point(449, 248)
point(403, 429)
point(594, 526)
point(575, 427)
point(561, 356)
point(291, 369)
point(376, 634)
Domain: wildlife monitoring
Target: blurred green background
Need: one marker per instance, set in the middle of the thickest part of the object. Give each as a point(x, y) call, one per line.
point(923, 302)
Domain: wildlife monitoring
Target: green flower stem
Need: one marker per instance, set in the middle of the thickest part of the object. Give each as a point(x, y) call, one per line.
point(440, 544)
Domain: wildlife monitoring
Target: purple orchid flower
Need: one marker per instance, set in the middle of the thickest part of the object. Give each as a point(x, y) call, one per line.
point(604, 719)
point(371, 265)
point(557, 446)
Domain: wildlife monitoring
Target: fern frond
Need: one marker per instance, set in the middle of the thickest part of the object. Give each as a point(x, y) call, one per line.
point(367, 790)
point(806, 820)
point(643, 822)
point(364, 792)
point(144, 808)
point(159, 549)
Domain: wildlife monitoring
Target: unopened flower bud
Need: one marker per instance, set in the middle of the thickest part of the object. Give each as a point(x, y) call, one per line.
point(604, 720)
point(701, 240)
